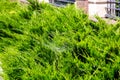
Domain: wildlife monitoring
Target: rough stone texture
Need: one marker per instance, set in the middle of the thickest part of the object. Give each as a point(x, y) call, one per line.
point(83, 4)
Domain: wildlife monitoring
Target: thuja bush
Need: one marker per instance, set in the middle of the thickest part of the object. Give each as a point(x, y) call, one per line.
point(39, 41)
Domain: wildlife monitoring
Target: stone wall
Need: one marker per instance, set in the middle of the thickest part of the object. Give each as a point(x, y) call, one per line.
point(93, 7)
point(83, 4)
point(98, 7)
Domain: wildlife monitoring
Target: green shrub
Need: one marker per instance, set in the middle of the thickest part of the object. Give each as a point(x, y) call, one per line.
point(43, 42)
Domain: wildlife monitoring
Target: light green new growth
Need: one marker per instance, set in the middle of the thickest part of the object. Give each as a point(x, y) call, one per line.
point(44, 42)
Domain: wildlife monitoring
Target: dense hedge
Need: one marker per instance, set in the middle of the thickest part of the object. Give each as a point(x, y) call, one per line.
point(43, 42)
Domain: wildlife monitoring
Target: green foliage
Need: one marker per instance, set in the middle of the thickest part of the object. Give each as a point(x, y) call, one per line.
point(42, 42)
